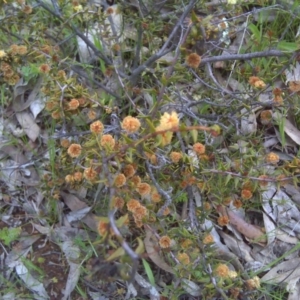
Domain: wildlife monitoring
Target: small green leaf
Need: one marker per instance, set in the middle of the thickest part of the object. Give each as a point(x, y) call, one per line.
point(140, 249)
point(228, 178)
point(120, 222)
point(119, 252)
point(149, 272)
point(194, 134)
point(8, 235)
point(288, 46)
point(255, 31)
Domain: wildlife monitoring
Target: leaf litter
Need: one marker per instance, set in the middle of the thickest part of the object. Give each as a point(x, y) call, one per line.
point(241, 240)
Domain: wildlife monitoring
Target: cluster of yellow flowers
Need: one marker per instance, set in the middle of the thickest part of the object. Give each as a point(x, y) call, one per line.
point(72, 178)
point(168, 122)
point(256, 82)
point(138, 210)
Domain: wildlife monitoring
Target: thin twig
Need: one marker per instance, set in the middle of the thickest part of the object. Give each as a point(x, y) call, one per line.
point(246, 56)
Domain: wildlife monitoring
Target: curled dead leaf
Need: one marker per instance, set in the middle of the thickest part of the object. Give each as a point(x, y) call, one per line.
point(151, 248)
point(248, 230)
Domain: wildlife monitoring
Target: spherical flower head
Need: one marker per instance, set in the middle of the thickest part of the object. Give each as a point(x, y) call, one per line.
point(272, 158)
point(65, 143)
point(278, 100)
point(232, 274)
point(131, 124)
point(246, 194)
point(44, 68)
point(69, 178)
point(208, 239)
point(266, 117)
point(166, 211)
point(13, 80)
point(186, 243)
point(50, 105)
point(237, 203)
point(133, 204)
point(13, 49)
point(5, 66)
point(294, 86)
point(77, 176)
point(253, 79)
point(165, 242)
point(277, 91)
point(62, 74)
point(256, 82)
point(118, 202)
point(165, 136)
point(168, 121)
point(155, 197)
point(107, 140)
point(223, 220)
point(2, 53)
point(120, 180)
point(140, 212)
point(253, 283)
point(90, 174)
point(259, 84)
point(143, 189)
point(97, 127)
point(175, 157)
point(56, 115)
point(103, 227)
point(73, 104)
point(135, 180)
point(22, 50)
point(153, 159)
point(128, 171)
point(193, 60)
point(222, 271)
point(74, 150)
point(110, 11)
point(27, 9)
point(207, 206)
point(92, 115)
point(9, 73)
point(199, 148)
point(82, 101)
point(183, 259)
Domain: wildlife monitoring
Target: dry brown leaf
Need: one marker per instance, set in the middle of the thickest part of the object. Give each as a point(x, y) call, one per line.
point(75, 204)
point(151, 246)
point(27, 122)
point(270, 229)
point(283, 272)
point(248, 230)
point(21, 159)
point(34, 86)
point(239, 248)
point(289, 128)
